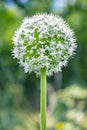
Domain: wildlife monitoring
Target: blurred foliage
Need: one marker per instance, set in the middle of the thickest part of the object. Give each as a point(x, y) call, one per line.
point(70, 109)
point(19, 92)
point(76, 15)
point(7, 64)
point(31, 7)
point(10, 100)
point(15, 112)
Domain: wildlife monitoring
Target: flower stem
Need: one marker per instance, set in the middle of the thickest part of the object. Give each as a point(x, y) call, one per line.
point(43, 100)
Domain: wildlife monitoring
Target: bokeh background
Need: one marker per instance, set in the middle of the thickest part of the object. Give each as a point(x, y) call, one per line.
point(20, 92)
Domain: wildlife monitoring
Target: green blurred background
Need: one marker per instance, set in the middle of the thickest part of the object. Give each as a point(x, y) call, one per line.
point(20, 92)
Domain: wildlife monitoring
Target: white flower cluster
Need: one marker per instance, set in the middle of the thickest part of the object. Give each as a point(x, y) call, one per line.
point(43, 40)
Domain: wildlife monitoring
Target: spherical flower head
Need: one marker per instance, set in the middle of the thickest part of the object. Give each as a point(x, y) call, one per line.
point(43, 41)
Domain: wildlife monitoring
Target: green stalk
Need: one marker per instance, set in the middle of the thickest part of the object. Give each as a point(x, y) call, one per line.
point(43, 100)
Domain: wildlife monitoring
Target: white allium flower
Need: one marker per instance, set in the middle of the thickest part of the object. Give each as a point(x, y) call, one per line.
point(43, 40)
